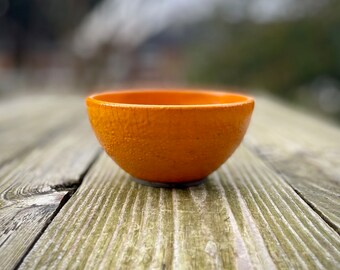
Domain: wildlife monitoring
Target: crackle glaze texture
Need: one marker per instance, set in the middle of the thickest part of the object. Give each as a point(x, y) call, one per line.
point(169, 136)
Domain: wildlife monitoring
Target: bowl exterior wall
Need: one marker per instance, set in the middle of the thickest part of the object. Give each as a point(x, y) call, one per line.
point(167, 144)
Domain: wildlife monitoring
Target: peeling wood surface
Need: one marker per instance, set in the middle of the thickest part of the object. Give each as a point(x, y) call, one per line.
point(273, 205)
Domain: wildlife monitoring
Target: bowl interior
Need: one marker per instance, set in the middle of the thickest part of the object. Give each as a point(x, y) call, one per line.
point(172, 97)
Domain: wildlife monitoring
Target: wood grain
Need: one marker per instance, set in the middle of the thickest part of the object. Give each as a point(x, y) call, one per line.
point(305, 150)
point(274, 204)
point(245, 216)
point(33, 184)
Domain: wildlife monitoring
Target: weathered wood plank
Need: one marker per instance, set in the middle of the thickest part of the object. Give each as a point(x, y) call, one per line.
point(27, 122)
point(33, 185)
point(22, 222)
point(245, 216)
point(305, 150)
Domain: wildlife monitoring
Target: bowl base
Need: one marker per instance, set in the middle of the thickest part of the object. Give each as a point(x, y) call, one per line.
point(168, 184)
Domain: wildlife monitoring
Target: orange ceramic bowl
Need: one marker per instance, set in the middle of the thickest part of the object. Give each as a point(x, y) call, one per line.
point(172, 136)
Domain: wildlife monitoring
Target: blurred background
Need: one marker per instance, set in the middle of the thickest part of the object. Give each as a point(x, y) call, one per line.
point(285, 48)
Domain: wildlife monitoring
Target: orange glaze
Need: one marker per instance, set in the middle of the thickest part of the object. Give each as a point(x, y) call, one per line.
point(169, 136)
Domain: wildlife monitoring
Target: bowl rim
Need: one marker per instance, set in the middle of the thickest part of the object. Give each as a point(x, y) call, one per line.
point(92, 99)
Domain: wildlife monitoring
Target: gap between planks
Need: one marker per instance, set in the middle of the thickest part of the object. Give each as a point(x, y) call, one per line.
point(303, 150)
point(245, 216)
point(70, 189)
point(314, 207)
point(33, 184)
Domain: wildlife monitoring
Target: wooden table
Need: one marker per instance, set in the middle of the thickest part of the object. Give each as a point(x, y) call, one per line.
point(66, 205)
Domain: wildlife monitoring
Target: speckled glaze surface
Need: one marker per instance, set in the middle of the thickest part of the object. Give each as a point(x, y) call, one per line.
point(171, 136)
